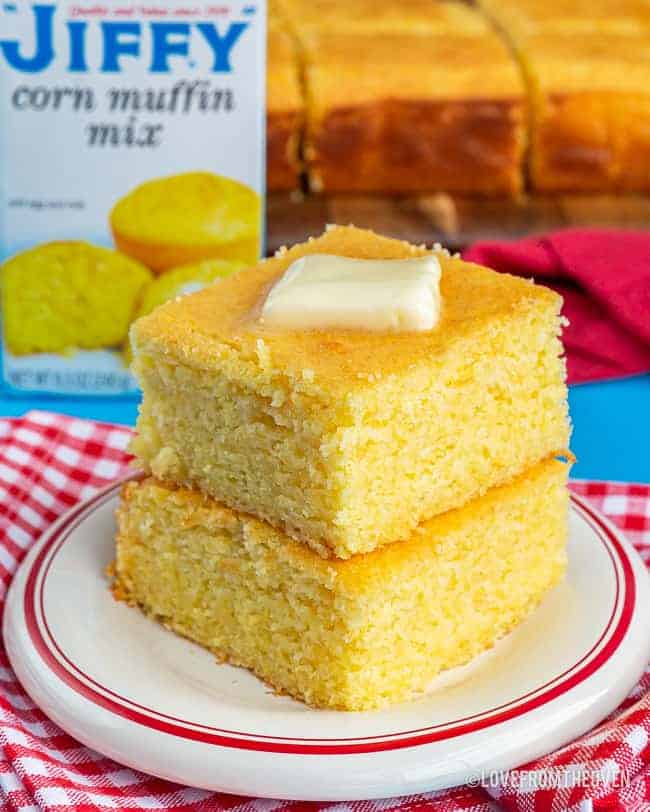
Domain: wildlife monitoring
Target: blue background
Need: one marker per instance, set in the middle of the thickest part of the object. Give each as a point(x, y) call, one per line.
point(611, 424)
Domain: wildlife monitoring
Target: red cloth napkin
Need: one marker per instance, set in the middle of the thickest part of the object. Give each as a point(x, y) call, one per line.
point(604, 277)
point(48, 462)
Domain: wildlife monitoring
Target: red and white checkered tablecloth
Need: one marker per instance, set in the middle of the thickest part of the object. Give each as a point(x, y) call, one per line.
point(48, 462)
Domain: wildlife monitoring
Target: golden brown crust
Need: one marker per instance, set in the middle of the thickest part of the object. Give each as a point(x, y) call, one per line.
point(592, 142)
point(198, 329)
point(417, 146)
point(446, 115)
point(371, 17)
point(282, 85)
point(577, 18)
point(591, 111)
point(354, 70)
point(587, 65)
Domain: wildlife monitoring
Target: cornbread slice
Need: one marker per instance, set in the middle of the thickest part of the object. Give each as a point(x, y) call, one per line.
point(349, 439)
point(587, 69)
point(408, 97)
point(284, 110)
point(354, 634)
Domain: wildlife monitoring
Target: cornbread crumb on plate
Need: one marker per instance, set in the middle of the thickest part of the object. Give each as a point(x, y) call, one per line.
point(354, 634)
point(346, 439)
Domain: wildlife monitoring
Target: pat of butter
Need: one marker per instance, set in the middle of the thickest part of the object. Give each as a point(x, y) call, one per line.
point(326, 291)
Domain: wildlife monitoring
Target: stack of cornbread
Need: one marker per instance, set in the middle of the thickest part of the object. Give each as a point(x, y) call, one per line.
point(347, 512)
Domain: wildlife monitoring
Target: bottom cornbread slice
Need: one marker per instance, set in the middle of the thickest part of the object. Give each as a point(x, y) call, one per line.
point(354, 634)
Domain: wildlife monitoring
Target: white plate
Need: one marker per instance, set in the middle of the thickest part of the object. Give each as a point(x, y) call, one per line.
point(128, 688)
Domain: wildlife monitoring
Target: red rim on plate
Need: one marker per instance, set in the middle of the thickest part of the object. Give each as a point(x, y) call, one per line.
point(83, 684)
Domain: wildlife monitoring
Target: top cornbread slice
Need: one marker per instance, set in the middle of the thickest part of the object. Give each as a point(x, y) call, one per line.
point(347, 440)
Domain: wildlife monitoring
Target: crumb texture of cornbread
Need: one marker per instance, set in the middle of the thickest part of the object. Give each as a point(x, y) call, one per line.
point(351, 635)
point(66, 296)
point(345, 439)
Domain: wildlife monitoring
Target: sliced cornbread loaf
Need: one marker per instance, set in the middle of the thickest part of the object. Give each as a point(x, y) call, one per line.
point(309, 18)
point(628, 17)
point(406, 97)
point(348, 439)
point(587, 66)
point(354, 634)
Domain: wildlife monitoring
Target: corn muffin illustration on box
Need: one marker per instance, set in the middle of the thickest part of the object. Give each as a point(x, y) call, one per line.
point(132, 146)
point(64, 296)
point(183, 280)
point(187, 218)
point(179, 282)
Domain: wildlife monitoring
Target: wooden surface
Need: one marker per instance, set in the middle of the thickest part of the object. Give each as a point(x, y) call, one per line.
point(454, 222)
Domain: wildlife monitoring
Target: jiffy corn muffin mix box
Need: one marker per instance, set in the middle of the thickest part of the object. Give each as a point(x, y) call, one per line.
point(131, 171)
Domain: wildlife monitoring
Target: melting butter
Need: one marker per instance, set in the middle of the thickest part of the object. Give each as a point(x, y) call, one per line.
point(321, 291)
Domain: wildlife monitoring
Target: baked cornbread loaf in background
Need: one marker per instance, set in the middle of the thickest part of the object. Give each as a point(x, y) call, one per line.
point(187, 218)
point(64, 296)
point(348, 439)
point(378, 17)
point(587, 67)
point(628, 17)
point(284, 109)
point(352, 635)
point(434, 119)
point(410, 96)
